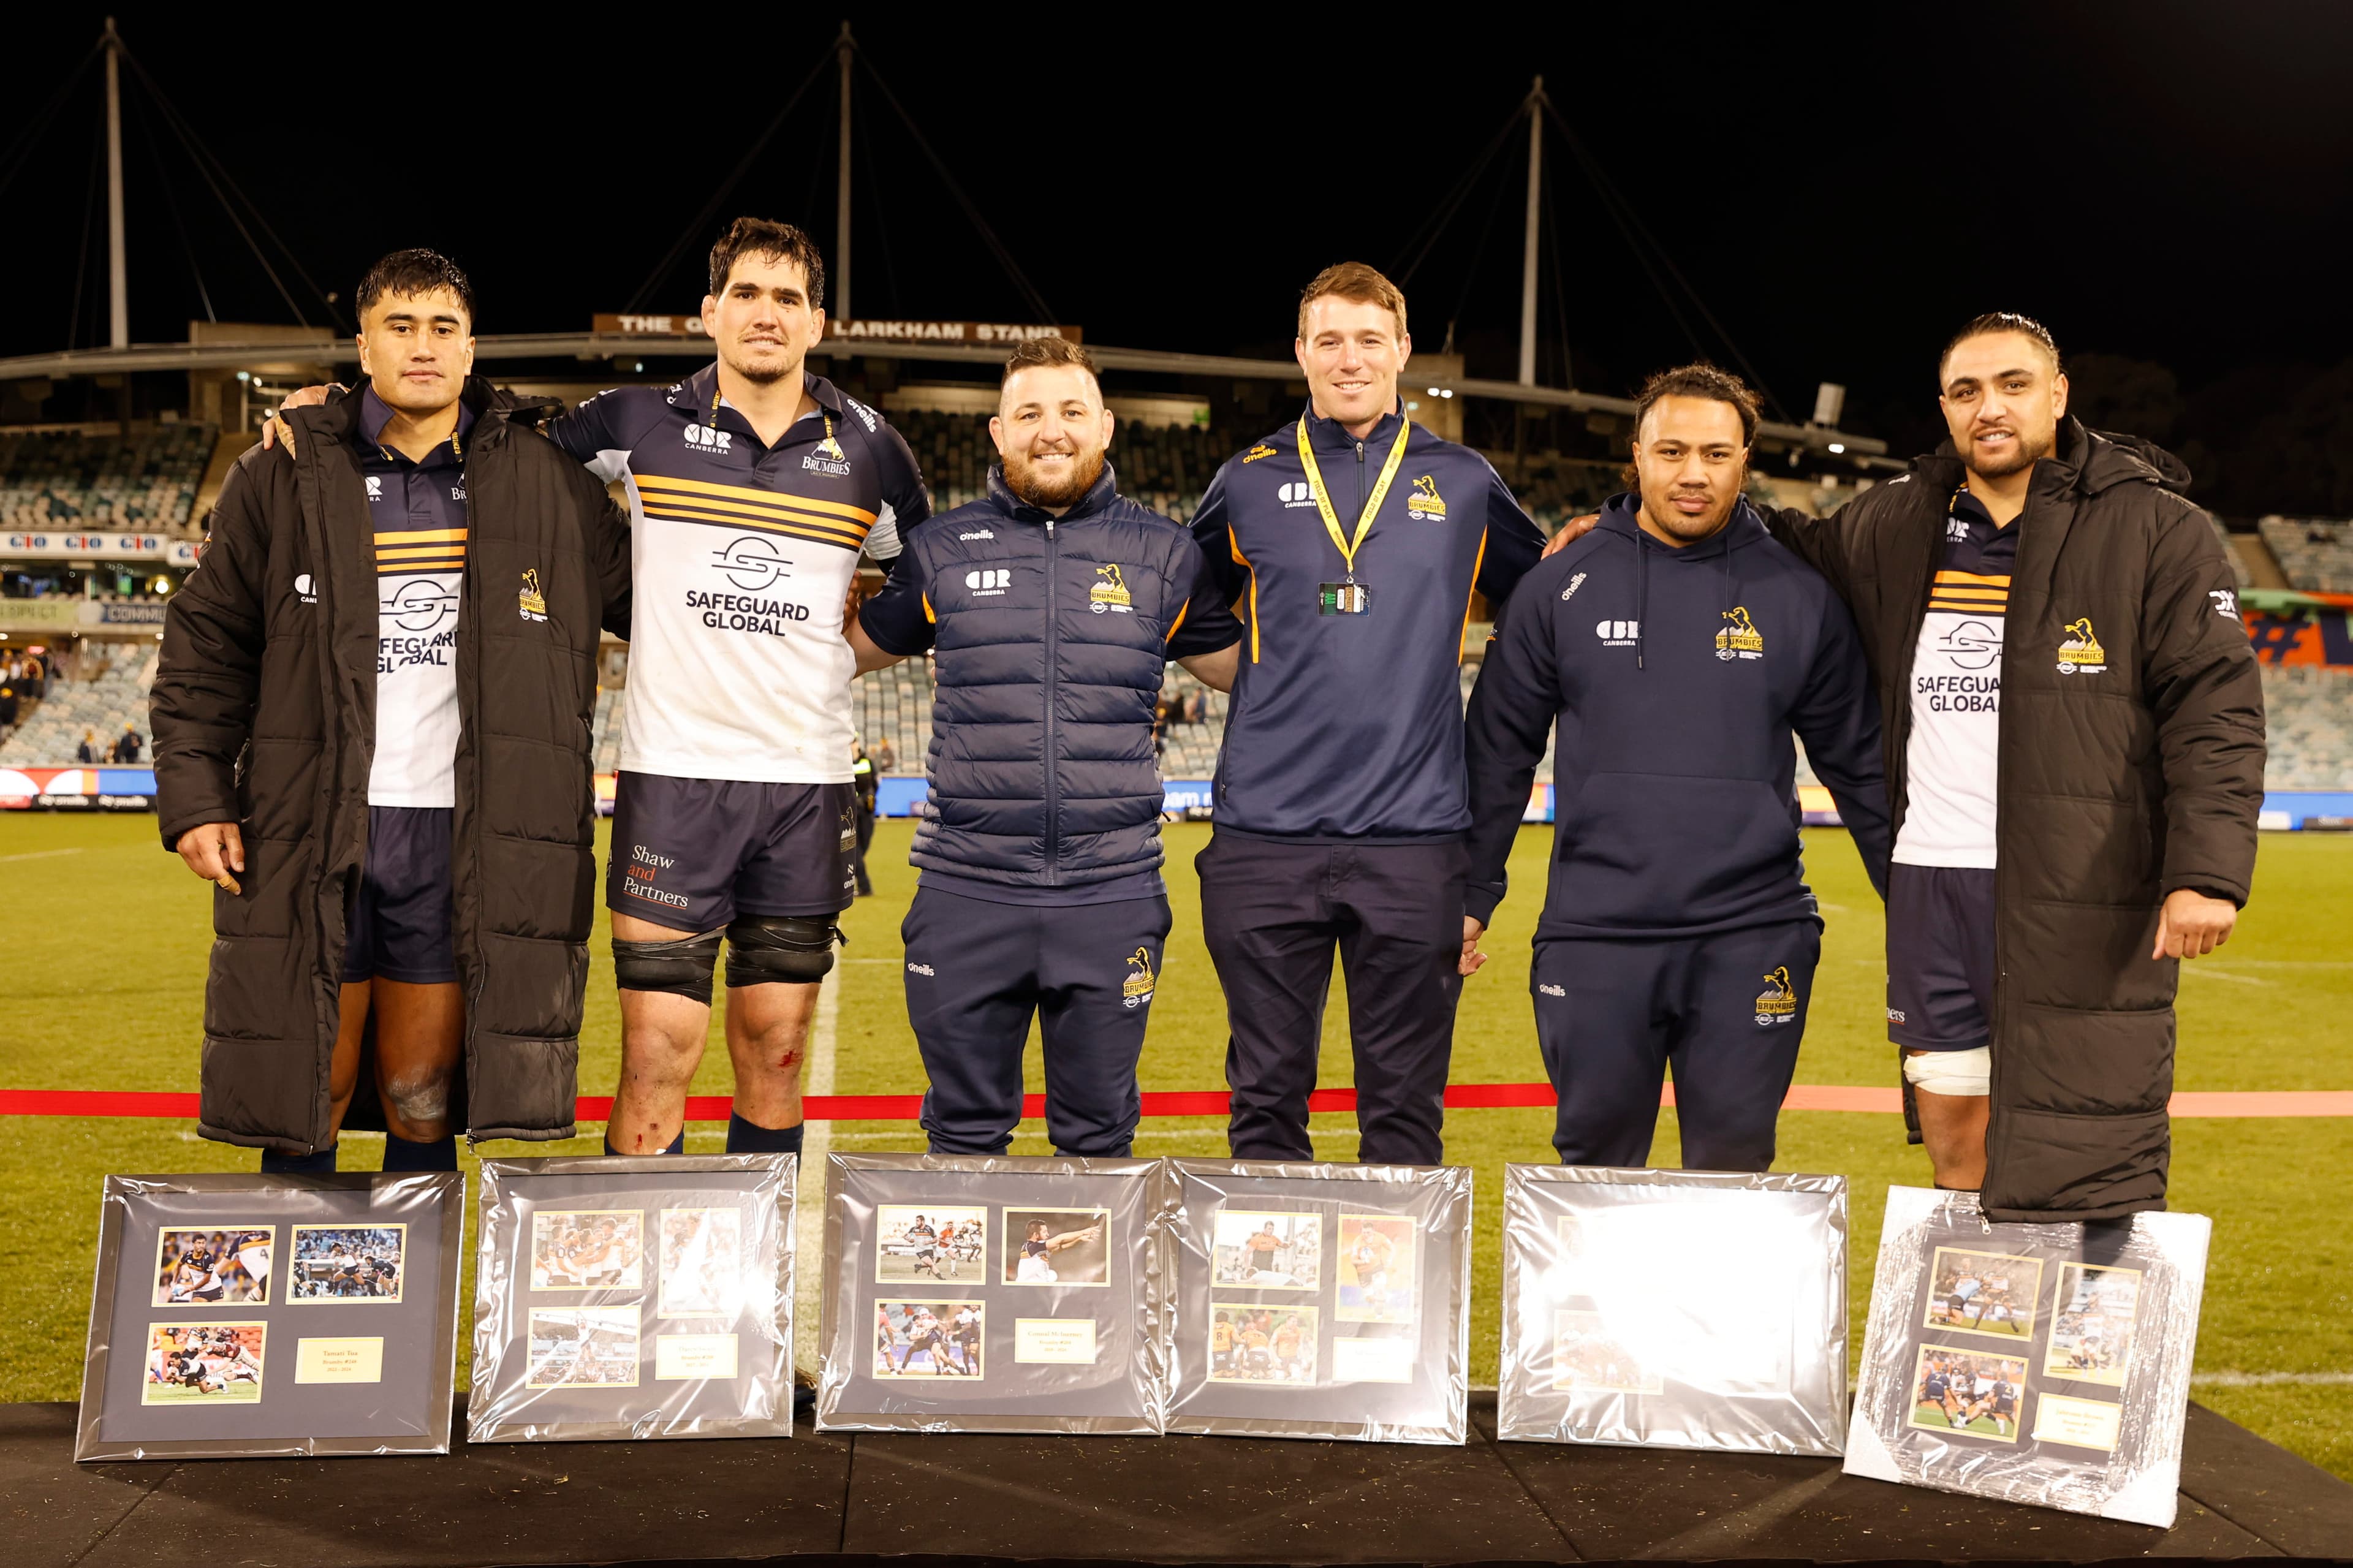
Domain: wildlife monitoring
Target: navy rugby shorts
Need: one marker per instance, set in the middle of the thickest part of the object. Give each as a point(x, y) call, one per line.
point(1939, 957)
point(692, 853)
point(401, 920)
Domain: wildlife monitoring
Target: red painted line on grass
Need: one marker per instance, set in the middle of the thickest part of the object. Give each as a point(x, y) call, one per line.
point(1199, 1102)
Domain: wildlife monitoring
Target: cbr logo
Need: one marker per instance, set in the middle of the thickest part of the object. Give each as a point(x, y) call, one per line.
point(1617, 634)
point(708, 439)
point(990, 580)
point(303, 587)
point(1297, 493)
point(751, 563)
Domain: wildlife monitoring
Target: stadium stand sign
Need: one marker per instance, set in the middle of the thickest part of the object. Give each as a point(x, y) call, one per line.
point(870, 330)
point(2032, 1363)
point(1674, 1309)
point(634, 1298)
point(254, 1316)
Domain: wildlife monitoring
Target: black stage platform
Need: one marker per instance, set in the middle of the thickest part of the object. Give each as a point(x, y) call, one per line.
point(1096, 1500)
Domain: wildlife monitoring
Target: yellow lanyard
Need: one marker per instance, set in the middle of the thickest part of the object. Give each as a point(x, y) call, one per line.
point(1348, 547)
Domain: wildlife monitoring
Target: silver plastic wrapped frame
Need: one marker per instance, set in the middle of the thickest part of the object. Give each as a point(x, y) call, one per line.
point(1673, 1309)
point(980, 1294)
point(2037, 1364)
point(639, 1296)
point(266, 1316)
point(1322, 1301)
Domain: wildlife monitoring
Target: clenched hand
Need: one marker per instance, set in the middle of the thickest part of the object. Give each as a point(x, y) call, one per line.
point(2191, 924)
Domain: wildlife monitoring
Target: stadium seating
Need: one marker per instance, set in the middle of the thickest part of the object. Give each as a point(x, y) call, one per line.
point(2316, 554)
point(108, 694)
point(2308, 712)
point(142, 482)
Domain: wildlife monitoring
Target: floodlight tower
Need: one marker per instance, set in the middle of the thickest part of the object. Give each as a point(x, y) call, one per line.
point(848, 49)
point(117, 270)
point(1528, 245)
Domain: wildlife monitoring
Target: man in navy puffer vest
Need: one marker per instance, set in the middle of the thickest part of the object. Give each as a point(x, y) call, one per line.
point(1052, 608)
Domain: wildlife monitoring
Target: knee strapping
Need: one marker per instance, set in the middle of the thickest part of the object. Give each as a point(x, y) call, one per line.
point(1951, 1072)
point(681, 966)
point(794, 950)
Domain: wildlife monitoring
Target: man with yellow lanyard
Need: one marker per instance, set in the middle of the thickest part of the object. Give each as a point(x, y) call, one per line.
point(1351, 544)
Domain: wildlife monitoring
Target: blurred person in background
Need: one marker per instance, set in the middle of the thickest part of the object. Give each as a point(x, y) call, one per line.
point(87, 752)
point(127, 744)
point(862, 785)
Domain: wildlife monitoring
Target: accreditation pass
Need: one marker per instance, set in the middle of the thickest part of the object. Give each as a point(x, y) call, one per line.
point(1343, 599)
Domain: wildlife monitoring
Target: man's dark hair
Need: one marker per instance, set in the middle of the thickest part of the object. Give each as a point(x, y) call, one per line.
point(771, 241)
point(1999, 322)
point(415, 272)
point(1701, 380)
point(1031, 352)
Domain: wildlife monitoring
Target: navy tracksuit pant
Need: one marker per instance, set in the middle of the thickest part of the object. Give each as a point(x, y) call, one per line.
point(1272, 914)
point(976, 971)
point(1727, 1011)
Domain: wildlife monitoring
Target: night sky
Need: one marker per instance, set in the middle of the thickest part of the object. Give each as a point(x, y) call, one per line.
point(2168, 186)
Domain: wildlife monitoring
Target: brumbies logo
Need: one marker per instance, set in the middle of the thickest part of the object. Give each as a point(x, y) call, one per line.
point(1424, 504)
point(1255, 453)
point(531, 602)
point(2080, 652)
point(1136, 989)
point(1778, 1001)
point(1741, 639)
point(1111, 594)
point(827, 457)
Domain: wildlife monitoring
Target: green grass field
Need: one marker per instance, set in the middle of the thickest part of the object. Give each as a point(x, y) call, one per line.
point(103, 951)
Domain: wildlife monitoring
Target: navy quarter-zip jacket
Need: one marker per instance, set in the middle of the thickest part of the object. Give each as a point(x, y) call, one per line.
point(1349, 727)
point(1676, 678)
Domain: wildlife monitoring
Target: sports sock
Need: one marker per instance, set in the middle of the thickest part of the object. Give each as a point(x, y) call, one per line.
point(320, 1163)
point(677, 1144)
point(749, 1138)
point(439, 1154)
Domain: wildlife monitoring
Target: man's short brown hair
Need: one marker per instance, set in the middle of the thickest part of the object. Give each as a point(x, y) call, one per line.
point(1354, 280)
point(1999, 322)
point(1031, 353)
point(770, 242)
point(1701, 380)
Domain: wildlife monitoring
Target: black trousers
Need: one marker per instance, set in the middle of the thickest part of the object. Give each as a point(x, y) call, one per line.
point(977, 972)
point(1727, 1010)
point(1272, 913)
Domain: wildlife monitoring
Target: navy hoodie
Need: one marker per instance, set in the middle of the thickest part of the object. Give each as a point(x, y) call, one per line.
point(1676, 678)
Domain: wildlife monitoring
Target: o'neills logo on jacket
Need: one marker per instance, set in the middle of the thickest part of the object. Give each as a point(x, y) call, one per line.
point(1111, 593)
point(1741, 639)
point(1136, 989)
point(533, 602)
point(1778, 1001)
point(1424, 505)
point(2080, 652)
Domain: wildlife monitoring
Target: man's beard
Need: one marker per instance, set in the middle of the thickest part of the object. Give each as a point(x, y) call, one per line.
point(764, 372)
point(1021, 477)
point(2023, 454)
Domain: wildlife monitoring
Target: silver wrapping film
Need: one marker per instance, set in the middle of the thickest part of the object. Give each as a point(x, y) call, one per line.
point(1316, 1300)
point(1673, 1309)
point(995, 1294)
point(264, 1316)
point(2036, 1364)
point(639, 1296)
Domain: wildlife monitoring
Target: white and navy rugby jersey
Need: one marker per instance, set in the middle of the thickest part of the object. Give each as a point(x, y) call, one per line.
point(1957, 695)
point(742, 557)
point(417, 511)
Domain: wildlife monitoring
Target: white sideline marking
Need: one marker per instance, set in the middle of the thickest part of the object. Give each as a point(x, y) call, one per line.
point(817, 1137)
point(39, 855)
point(2265, 1379)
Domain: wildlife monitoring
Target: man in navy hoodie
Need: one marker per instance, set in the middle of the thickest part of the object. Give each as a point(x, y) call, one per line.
point(1678, 648)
